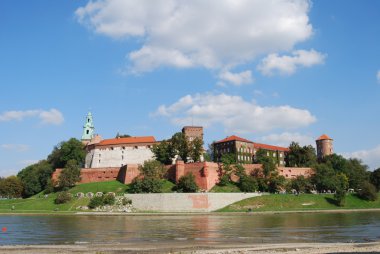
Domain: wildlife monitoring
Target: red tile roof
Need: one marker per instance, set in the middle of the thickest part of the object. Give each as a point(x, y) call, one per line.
point(129, 140)
point(323, 137)
point(270, 147)
point(234, 138)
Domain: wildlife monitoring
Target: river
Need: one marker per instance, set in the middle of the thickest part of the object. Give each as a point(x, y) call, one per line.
point(210, 229)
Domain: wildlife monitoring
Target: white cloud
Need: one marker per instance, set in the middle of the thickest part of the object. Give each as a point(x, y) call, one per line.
point(15, 147)
point(216, 34)
point(51, 116)
point(285, 138)
point(287, 65)
point(371, 157)
point(241, 78)
point(234, 113)
point(378, 77)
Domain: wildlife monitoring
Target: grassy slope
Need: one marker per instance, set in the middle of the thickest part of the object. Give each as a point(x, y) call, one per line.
point(223, 189)
point(38, 203)
point(288, 202)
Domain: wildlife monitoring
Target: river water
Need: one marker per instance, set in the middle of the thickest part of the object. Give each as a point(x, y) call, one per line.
point(209, 229)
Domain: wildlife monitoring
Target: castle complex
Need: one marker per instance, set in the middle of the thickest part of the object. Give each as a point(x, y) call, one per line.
point(119, 158)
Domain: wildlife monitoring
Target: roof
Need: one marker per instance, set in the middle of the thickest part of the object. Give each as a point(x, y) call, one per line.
point(270, 147)
point(234, 138)
point(324, 137)
point(129, 140)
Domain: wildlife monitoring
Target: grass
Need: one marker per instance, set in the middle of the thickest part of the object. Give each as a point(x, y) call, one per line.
point(289, 202)
point(38, 203)
point(167, 186)
point(230, 187)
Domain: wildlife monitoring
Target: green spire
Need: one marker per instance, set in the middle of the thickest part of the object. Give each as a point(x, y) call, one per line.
point(88, 128)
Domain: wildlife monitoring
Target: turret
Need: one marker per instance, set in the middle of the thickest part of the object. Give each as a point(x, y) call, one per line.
point(324, 146)
point(88, 129)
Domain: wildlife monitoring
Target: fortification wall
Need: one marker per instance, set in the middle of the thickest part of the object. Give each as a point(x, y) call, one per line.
point(186, 202)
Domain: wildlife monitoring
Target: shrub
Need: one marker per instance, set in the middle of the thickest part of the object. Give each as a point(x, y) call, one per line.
point(126, 201)
point(108, 199)
point(62, 197)
point(187, 183)
point(95, 202)
point(247, 184)
point(368, 192)
point(224, 180)
point(146, 185)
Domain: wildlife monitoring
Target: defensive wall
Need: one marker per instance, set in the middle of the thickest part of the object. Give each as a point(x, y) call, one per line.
point(186, 202)
point(206, 174)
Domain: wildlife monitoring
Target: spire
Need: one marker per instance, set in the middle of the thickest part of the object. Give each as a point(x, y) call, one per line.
point(88, 128)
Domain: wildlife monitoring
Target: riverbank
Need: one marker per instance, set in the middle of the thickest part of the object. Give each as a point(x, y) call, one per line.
point(231, 248)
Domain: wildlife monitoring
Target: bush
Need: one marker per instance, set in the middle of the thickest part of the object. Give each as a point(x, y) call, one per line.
point(224, 180)
point(340, 197)
point(126, 201)
point(146, 185)
point(368, 192)
point(95, 202)
point(108, 199)
point(247, 184)
point(187, 183)
point(63, 197)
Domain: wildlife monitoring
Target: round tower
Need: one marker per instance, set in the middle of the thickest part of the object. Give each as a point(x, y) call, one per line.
point(324, 146)
point(88, 129)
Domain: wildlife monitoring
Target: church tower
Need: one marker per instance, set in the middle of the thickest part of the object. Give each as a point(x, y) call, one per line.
point(88, 129)
point(324, 146)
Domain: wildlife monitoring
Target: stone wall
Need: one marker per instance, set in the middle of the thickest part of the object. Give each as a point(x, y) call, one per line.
point(90, 175)
point(186, 202)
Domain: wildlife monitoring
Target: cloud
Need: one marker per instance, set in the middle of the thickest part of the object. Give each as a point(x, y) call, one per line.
point(51, 116)
point(15, 147)
point(216, 35)
point(378, 77)
point(241, 78)
point(287, 65)
point(234, 113)
point(371, 157)
point(285, 138)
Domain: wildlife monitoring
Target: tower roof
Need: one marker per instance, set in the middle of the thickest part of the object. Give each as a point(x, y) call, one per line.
point(324, 137)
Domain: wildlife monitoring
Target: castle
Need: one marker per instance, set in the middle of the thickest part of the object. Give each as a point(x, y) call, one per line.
point(119, 158)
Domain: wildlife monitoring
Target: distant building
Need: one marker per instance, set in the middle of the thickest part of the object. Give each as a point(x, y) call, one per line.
point(245, 150)
point(88, 129)
point(324, 146)
point(192, 132)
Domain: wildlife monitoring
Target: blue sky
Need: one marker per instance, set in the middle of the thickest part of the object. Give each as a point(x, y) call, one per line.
point(269, 71)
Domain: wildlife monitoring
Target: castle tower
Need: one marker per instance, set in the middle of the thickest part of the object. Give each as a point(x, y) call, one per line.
point(324, 146)
point(88, 129)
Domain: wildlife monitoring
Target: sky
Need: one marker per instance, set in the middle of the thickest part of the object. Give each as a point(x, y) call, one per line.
point(272, 71)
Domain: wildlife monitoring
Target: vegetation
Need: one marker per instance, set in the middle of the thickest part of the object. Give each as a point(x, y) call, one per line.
point(301, 156)
point(375, 178)
point(62, 197)
point(368, 192)
point(72, 149)
point(187, 183)
point(70, 175)
point(107, 199)
point(11, 187)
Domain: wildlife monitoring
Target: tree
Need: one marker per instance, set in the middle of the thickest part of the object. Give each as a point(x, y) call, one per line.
point(341, 186)
point(164, 152)
point(152, 169)
point(146, 185)
point(35, 177)
point(196, 149)
point(70, 175)
point(276, 183)
point(324, 178)
point(301, 184)
point(300, 156)
point(180, 145)
point(62, 197)
point(375, 178)
point(247, 183)
point(122, 135)
point(72, 149)
point(368, 192)
point(11, 187)
point(187, 183)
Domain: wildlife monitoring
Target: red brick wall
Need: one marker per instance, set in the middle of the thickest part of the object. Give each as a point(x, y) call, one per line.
point(290, 173)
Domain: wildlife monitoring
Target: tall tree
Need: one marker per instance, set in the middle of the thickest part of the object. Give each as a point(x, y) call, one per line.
point(375, 178)
point(70, 175)
point(72, 149)
point(11, 187)
point(301, 156)
point(164, 152)
point(196, 149)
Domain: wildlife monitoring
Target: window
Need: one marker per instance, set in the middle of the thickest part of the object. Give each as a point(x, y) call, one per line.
point(274, 154)
point(136, 147)
point(280, 155)
point(267, 153)
point(122, 157)
point(88, 131)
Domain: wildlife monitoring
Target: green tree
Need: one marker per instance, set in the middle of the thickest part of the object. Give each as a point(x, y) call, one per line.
point(196, 149)
point(324, 177)
point(341, 186)
point(375, 178)
point(62, 197)
point(11, 187)
point(146, 185)
point(35, 177)
point(152, 169)
point(301, 184)
point(164, 152)
point(276, 183)
point(122, 135)
point(72, 149)
point(368, 192)
point(300, 156)
point(70, 175)
point(187, 183)
point(181, 145)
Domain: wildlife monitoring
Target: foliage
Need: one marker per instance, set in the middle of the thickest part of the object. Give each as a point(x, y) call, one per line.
point(187, 183)
point(247, 183)
point(276, 183)
point(152, 169)
point(181, 145)
point(301, 184)
point(69, 175)
point(224, 180)
point(164, 152)
point(95, 202)
point(301, 156)
point(196, 149)
point(35, 177)
point(368, 192)
point(375, 178)
point(269, 164)
point(230, 187)
point(145, 185)
point(126, 201)
point(62, 197)
point(108, 199)
point(72, 149)
point(118, 135)
point(11, 187)
point(340, 189)
point(324, 178)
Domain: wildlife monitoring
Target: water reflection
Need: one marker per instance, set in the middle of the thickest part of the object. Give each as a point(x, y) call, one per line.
point(250, 228)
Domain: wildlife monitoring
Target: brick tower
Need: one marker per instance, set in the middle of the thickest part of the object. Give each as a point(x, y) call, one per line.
point(324, 146)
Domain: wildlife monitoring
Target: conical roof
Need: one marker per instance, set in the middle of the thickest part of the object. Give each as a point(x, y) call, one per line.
point(324, 137)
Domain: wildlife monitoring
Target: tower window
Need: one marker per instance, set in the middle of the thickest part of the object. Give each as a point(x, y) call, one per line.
point(87, 131)
point(88, 120)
